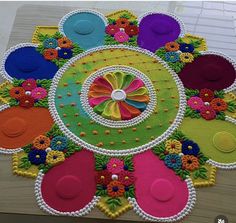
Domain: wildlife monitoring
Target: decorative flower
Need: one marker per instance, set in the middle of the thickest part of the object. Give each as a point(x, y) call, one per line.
point(121, 37)
point(172, 57)
point(17, 92)
point(59, 143)
point(112, 29)
point(190, 162)
point(26, 101)
point(195, 103)
point(50, 43)
point(103, 177)
point(132, 30)
point(29, 84)
point(186, 57)
point(218, 104)
point(50, 54)
point(126, 178)
point(37, 157)
point(173, 146)
point(172, 46)
point(39, 93)
point(115, 189)
point(173, 161)
point(41, 142)
point(190, 148)
point(55, 157)
point(118, 96)
point(64, 42)
point(122, 22)
point(115, 165)
point(207, 112)
point(206, 95)
point(65, 53)
point(186, 48)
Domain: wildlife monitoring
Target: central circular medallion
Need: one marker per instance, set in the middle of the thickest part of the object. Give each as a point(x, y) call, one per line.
point(118, 96)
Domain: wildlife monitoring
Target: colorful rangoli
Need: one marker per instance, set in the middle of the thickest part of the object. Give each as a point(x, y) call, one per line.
point(118, 112)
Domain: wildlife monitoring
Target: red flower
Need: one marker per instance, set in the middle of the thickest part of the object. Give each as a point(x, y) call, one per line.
point(29, 84)
point(131, 30)
point(115, 189)
point(112, 29)
point(26, 101)
point(122, 22)
point(218, 104)
point(17, 92)
point(206, 95)
point(50, 54)
point(126, 178)
point(207, 112)
point(103, 177)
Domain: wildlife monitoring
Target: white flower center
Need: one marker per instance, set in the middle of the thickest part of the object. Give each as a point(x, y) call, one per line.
point(118, 95)
point(114, 177)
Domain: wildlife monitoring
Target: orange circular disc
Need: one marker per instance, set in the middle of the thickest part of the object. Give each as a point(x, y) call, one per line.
point(19, 126)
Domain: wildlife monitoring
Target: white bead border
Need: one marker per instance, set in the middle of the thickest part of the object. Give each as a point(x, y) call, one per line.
point(229, 59)
point(4, 73)
point(176, 18)
point(65, 17)
point(3, 150)
point(135, 150)
point(187, 209)
point(123, 123)
point(45, 207)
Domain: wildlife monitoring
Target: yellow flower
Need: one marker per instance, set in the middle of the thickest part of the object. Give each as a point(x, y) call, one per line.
point(173, 146)
point(55, 157)
point(186, 57)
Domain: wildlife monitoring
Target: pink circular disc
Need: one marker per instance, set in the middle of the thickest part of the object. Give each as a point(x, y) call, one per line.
point(162, 189)
point(68, 187)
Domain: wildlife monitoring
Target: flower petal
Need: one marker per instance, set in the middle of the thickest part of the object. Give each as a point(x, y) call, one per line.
point(112, 111)
point(100, 107)
point(99, 88)
point(139, 91)
point(94, 94)
point(100, 81)
point(120, 78)
point(125, 114)
point(135, 84)
point(128, 78)
point(111, 79)
point(133, 111)
point(139, 105)
point(139, 98)
point(96, 101)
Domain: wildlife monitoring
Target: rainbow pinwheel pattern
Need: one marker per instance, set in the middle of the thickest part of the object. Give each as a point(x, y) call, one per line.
point(118, 96)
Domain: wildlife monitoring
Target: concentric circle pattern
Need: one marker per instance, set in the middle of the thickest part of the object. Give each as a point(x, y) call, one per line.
point(71, 107)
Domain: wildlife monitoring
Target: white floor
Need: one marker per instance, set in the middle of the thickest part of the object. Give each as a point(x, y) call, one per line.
point(8, 10)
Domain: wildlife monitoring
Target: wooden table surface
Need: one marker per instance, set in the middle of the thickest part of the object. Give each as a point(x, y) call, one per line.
point(17, 193)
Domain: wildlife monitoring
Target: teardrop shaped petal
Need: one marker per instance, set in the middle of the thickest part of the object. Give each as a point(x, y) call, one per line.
point(133, 111)
point(139, 105)
point(135, 84)
point(100, 81)
point(139, 98)
point(96, 101)
point(111, 79)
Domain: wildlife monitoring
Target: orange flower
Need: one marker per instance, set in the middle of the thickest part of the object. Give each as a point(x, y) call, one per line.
point(172, 46)
point(190, 162)
point(41, 142)
point(50, 54)
point(218, 104)
point(17, 92)
point(115, 189)
point(64, 42)
point(122, 22)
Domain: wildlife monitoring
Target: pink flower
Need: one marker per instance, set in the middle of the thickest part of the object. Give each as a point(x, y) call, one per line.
point(121, 37)
point(207, 112)
point(112, 29)
point(126, 178)
point(195, 103)
point(115, 165)
point(39, 93)
point(29, 84)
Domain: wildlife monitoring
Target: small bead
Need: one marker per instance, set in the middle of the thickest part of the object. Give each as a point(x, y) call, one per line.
point(123, 142)
point(107, 132)
point(82, 134)
point(100, 144)
point(119, 131)
point(64, 115)
point(67, 125)
point(76, 114)
point(148, 127)
point(79, 124)
point(137, 139)
point(91, 122)
point(166, 110)
point(134, 129)
point(95, 132)
point(65, 84)
point(69, 94)
point(112, 143)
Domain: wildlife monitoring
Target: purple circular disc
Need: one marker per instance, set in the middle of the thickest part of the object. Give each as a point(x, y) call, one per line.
point(155, 30)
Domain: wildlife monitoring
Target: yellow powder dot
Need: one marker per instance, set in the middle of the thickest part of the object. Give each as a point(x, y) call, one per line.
point(26, 101)
point(166, 110)
point(162, 99)
point(123, 142)
point(148, 127)
point(102, 177)
point(119, 131)
point(190, 147)
point(69, 94)
point(100, 144)
point(79, 124)
point(134, 129)
point(137, 139)
point(207, 112)
point(64, 115)
point(95, 132)
point(112, 143)
point(126, 178)
point(37, 156)
point(195, 102)
point(206, 95)
point(91, 122)
point(67, 125)
point(152, 137)
point(114, 165)
point(107, 132)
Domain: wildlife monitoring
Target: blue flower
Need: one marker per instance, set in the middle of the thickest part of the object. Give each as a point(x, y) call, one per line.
point(59, 143)
point(65, 53)
point(186, 48)
point(190, 148)
point(172, 57)
point(173, 161)
point(50, 43)
point(37, 156)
